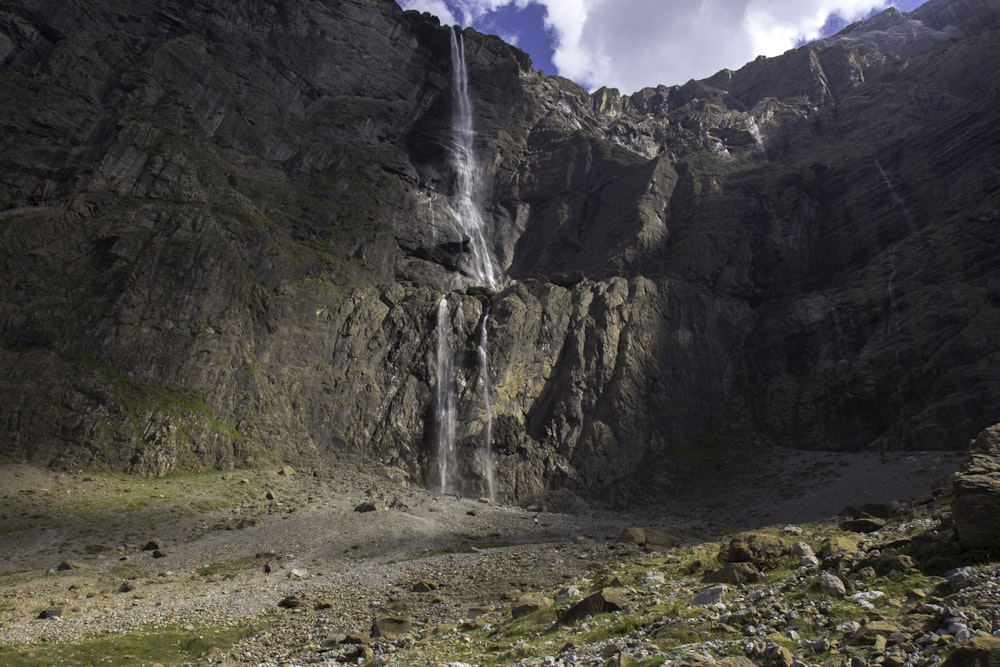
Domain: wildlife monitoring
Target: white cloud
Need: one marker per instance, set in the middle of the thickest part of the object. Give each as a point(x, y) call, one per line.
point(639, 43)
point(435, 7)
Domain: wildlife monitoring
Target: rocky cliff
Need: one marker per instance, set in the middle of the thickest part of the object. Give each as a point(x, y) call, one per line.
point(226, 230)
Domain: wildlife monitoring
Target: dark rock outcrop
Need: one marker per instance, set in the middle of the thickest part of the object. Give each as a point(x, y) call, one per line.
point(226, 229)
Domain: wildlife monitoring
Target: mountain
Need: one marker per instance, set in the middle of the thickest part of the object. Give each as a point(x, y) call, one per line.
point(227, 229)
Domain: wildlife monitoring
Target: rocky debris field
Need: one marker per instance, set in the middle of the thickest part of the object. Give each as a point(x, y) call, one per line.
point(108, 569)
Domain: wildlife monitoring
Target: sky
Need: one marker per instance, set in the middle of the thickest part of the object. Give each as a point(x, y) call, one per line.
point(631, 44)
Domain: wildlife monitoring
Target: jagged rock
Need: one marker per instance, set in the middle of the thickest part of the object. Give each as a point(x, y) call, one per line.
point(602, 602)
point(529, 605)
point(392, 627)
point(650, 538)
point(975, 504)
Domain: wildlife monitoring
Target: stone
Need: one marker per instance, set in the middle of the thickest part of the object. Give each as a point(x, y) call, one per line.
point(392, 627)
point(425, 586)
point(709, 596)
point(51, 612)
point(832, 585)
point(975, 504)
point(287, 471)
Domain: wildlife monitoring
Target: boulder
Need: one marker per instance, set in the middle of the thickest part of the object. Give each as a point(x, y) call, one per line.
point(529, 605)
point(392, 627)
point(51, 612)
point(710, 595)
point(288, 471)
point(865, 524)
point(975, 505)
point(761, 549)
point(736, 573)
point(602, 602)
point(977, 652)
point(650, 538)
point(291, 602)
point(831, 585)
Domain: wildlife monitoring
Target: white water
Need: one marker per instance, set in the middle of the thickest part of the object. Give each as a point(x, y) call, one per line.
point(463, 159)
point(895, 196)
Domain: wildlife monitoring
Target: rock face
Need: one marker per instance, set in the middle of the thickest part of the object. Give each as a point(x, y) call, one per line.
point(976, 501)
point(226, 231)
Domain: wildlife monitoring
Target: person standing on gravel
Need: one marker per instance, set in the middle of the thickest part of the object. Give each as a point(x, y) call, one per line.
point(267, 571)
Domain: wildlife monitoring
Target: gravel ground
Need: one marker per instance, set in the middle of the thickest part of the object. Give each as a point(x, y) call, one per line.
point(345, 567)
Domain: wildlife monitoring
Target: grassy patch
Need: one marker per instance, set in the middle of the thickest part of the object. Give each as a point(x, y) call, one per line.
point(170, 646)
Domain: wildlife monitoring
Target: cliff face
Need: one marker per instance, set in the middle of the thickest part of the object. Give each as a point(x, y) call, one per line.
point(226, 231)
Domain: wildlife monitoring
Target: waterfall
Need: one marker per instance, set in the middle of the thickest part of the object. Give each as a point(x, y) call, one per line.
point(484, 379)
point(463, 160)
point(444, 401)
point(450, 344)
